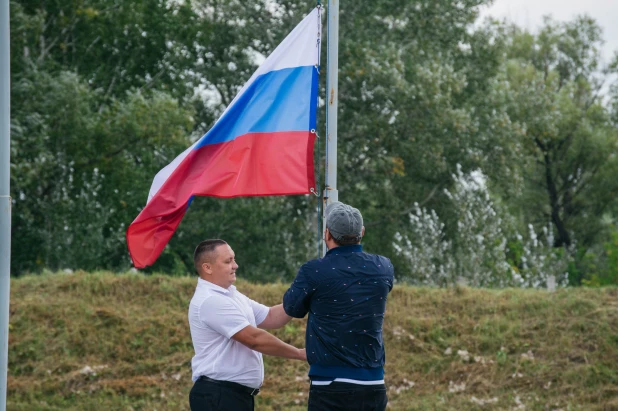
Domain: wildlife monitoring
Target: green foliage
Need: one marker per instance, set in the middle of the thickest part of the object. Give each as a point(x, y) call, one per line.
point(611, 248)
point(75, 184)
point(606, 274)
point(106, 93)
point(567, 141)
point(485, 250)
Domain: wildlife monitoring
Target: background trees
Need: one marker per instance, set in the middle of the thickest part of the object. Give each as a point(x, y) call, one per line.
point(107, 92)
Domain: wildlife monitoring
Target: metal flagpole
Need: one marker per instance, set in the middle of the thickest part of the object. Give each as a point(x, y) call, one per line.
point(332, 61)
point(5, 199)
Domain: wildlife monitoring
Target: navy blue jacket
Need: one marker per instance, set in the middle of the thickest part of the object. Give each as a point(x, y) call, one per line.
point(345, 295)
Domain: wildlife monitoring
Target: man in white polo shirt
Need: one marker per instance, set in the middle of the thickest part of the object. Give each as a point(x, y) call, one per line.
point(227, 367)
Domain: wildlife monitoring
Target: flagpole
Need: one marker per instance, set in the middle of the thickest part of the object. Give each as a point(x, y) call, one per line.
point(5, 198)
point(332, 61)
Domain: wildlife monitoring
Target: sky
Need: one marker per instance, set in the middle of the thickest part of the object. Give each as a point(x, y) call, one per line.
point(529, 14)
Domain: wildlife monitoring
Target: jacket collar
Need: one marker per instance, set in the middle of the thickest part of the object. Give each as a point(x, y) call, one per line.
point(345, 249)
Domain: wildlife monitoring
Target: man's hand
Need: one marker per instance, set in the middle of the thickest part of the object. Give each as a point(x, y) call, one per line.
point(303, 354)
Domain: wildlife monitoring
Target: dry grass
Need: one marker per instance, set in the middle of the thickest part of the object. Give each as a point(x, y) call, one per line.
point(509, 349)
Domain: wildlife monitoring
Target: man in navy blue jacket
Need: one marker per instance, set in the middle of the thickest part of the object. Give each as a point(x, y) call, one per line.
point(345, 295)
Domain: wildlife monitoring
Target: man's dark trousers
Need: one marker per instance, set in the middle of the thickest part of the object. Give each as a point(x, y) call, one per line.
point(342, 396)
point(208, 395)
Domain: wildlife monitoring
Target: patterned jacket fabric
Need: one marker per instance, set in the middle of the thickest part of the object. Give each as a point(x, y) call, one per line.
point(345, 295)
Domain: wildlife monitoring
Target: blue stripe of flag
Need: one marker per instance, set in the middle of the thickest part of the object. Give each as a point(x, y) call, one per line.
point(275, 101)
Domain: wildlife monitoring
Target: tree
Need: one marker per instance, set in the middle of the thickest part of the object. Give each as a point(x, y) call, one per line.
point(406, 114)
point(568, 141)
point(104, 96)
point(478, 254)
point(106, 93)
point(79, 169)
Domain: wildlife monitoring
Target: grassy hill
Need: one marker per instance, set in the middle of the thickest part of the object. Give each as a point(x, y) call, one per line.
point(121, 342)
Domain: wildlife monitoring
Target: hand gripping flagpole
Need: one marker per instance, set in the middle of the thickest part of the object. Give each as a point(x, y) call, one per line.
point(5, 198)
point(332, 61)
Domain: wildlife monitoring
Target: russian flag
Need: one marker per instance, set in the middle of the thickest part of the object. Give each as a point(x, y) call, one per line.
point(262, 145)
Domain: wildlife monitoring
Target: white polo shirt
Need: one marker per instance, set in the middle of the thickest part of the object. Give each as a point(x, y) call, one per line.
point(215, 315)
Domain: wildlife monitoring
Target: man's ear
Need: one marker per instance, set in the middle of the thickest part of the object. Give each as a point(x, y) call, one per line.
point(207, 268)
point(363, 232)
point(327, 235)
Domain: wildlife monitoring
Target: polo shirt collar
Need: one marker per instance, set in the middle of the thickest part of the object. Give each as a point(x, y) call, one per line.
point(203, 283)
point(344, 249)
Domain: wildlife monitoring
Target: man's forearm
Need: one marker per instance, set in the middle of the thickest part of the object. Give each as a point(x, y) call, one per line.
point(268, 344)
point(261, 341)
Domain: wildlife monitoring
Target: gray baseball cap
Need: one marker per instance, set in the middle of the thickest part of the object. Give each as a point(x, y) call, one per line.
point(343, 220)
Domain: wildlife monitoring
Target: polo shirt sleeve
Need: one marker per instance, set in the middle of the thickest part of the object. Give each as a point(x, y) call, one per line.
point(260, 311)
point(297, 298)
point(220, 314)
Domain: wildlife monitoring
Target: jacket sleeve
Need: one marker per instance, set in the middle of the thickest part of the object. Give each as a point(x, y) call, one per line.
point(392, 274)
point(297, 299)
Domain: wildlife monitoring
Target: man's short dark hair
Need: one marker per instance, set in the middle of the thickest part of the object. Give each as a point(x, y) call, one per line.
point(205, 251)
point(347, 240)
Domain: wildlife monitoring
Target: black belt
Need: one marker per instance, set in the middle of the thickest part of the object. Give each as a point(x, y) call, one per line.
point(232, 385)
